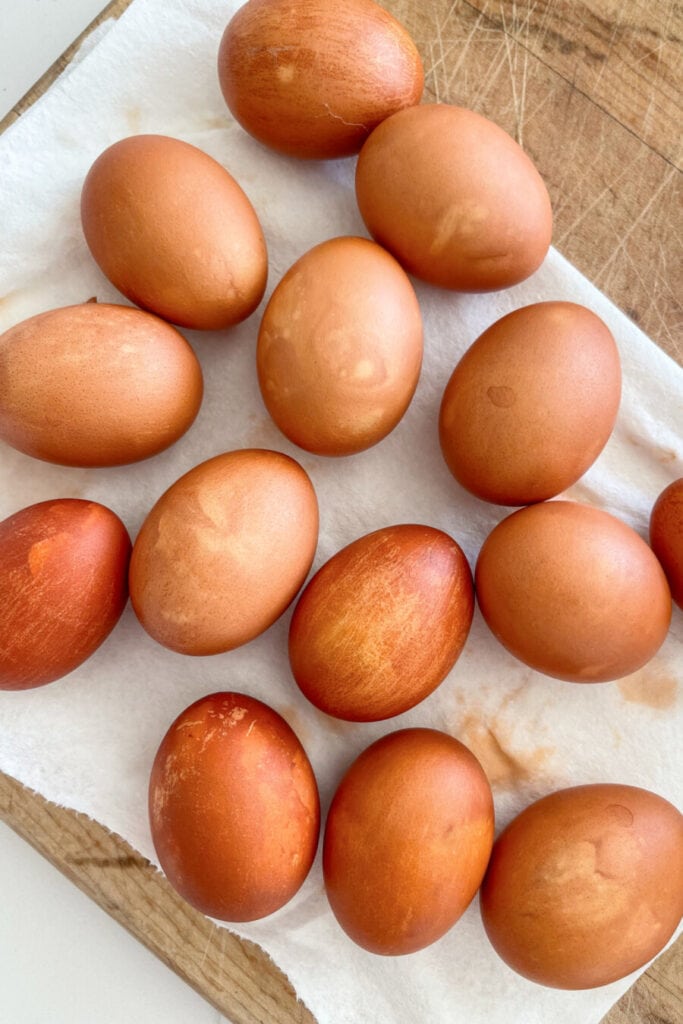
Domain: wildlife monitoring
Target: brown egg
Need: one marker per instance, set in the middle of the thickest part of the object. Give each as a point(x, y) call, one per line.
point(313, 79)
point(666, 536)
point(96, 385)
point(573, 592)
point(63, 586)
point(224, 551)
point(531, 404)
point(585, 885)
point(340, 347)
point(407, 840)
point(382, 623)
point(174, 232)
point(233, 807)
point(454, 198)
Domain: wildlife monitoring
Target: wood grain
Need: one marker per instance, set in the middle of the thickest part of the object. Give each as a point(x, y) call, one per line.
point(236, 976)
point(617, 201)
point(591, 88)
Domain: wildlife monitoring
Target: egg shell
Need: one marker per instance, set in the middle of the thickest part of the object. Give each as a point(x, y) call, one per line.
point(224, 551)
point(173, 231)
point(454, 198)
point(666, 536)
point(573, 592)
point(382, 623)
point(531, 404)
point(340, 347)
point(63, 587)
point(96, 385)
point(585, 885)
point(407, 840)
point(312, 79)
point(233, 807)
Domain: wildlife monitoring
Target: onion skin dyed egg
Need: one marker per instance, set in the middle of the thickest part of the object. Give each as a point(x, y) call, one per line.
point(96, 385)
point(407, 840)
point(573, 592)
point(454, 198)
point(340, 347)
point(173, 231)
point(233, 808)
point(224, 551)
point(585, 885)
point(313, 78)
point(382, 623)
point(63, 587)
point(666, 536)
point(531, 404)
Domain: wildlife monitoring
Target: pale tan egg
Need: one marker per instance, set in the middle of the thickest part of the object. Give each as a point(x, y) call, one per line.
point(174, 231)
point(454, 198)
point(573, 592)
point(340, 347)
point(224, 551)
point(531, 404)
point(96, 385)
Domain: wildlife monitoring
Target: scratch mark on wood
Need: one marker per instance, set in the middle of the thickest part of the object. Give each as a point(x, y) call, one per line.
point(642, 213)
point(625, 173)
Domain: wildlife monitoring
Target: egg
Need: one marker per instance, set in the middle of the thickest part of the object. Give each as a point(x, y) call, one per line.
point(340, 347)
point(382, 623)
point(224, 551)
point(96, 385)
point(63, 587)
point(454, 198)
point(233, 808)
point(313, 79)
point(573, 592)
point(531, 404)
point(407, 840)
point(173, 231)
point(585, 885)
point(666, 536)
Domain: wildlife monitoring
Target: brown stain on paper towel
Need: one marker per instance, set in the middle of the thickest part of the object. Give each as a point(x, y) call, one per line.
point(504, 769)
point(652, 687)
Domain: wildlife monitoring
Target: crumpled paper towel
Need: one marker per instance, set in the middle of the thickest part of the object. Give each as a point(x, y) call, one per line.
point(88, 740)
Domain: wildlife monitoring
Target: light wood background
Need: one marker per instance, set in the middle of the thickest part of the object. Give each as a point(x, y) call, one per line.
point(592, 90)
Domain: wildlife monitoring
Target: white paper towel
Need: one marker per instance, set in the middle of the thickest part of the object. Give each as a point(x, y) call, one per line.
point(88, 741)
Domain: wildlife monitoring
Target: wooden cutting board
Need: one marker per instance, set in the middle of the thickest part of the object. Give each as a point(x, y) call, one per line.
point(592, 89)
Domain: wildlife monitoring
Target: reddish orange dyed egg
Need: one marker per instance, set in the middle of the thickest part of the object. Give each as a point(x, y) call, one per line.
point(233, 806)
point(382, 623)
point(63, 587)
point(407, 840)
point(666, 536)
point(313, 78)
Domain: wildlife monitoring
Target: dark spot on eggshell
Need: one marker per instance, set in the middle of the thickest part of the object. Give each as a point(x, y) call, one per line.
point(503, 397)
point(619, 814)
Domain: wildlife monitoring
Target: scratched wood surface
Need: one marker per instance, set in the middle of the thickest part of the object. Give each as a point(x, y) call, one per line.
point(592, 89)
